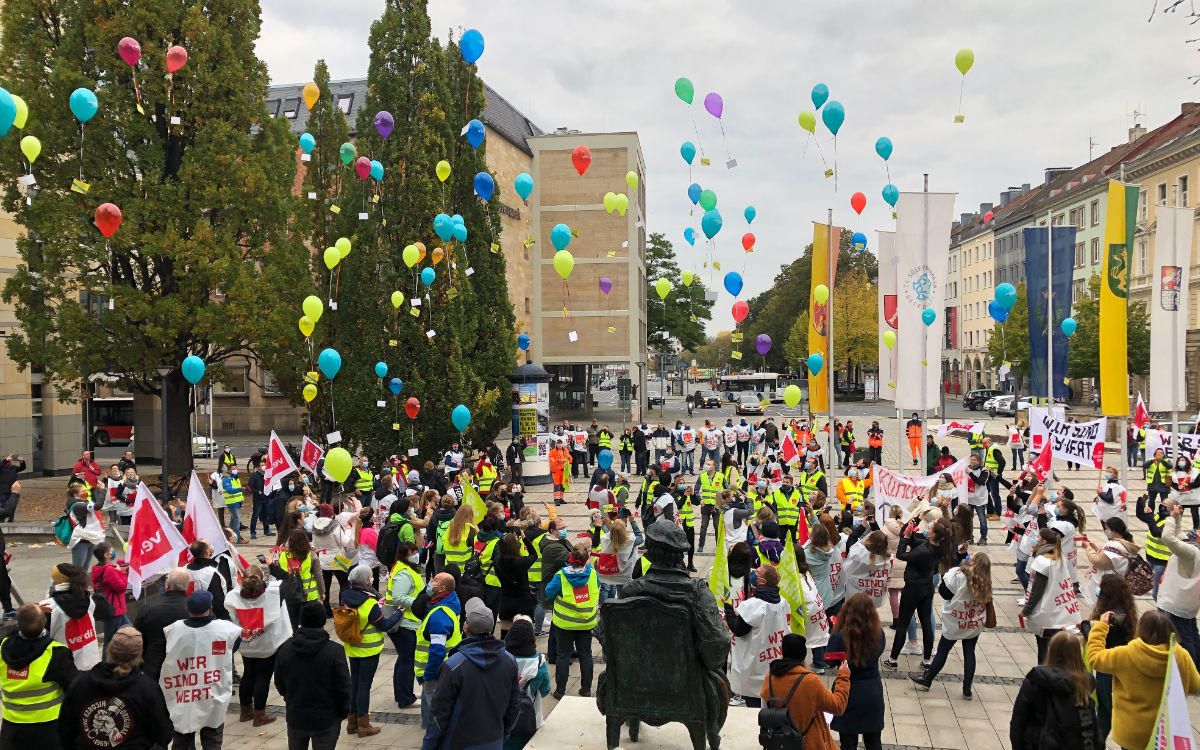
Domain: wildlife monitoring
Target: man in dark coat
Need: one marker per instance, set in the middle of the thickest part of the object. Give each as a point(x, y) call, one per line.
point(157, 614)
point(312, 677)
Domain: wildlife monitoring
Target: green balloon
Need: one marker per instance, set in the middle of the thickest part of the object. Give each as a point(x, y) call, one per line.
point(708, 200)
point(964, 60)
point(685, 90)
point(347, 153)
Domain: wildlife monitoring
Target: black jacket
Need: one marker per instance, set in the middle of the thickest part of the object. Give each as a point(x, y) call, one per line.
point(216, 586)
point(151, 620)
point(639, 441)
point(19, 652)
point(514, 455)
point(1045, 716)
point(103, 710)
point(921, 560)
point(8, 473)
point(312, 677)
point(477, 700)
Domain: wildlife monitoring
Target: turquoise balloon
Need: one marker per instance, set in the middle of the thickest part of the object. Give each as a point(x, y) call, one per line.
point(928, 315)
point(381, 369)
point(891, 194)
point(307, 143)
point(604, 459)
point(193, 369)
point(688, 151)
point(460, 417)
point(1006, 295)
point(711, 223)
point(816, 363)
point(833, 115)
point(329, 362)
point(750, 213)
point(460, 232)
point(883, 147)
point(689, 234)
point(523, 184)
point(443, 227)
point(83, 104)
point(8, 111)
point(560, 236)
point(820, 93)
point(376, 170)
point(427, 276)
point(1068, 326)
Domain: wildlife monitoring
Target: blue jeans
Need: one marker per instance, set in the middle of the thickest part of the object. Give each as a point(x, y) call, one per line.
point(625, 456)
point(1023, 573)
point(1186, 634)
point(981, 512)
point(428, 688)
point(689, 461)
point(1104, 685)
point(539, 617)
point(234, 512)
point(362, 674)
point(405, 641)
point(81, 554)
point(261, 511)
point(1159, 566)
point(609, 590)
point(111, 626)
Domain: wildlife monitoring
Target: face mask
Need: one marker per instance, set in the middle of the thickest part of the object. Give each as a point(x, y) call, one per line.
point(753, 578)
point(303, 508)
point(429, 588)
point(1097, 592)
point(1111, 477)
point(414, 558)
point(562, 533)
point(233, 473)
point(364, 464)
point(291, 487)
point(1053, 495)
point(853, 474)
point(1180, 465)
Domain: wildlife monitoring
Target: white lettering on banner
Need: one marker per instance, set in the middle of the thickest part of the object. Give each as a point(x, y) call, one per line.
point(1189, 443)
point(1078, 442)
point(894, 488)
point(948, 427)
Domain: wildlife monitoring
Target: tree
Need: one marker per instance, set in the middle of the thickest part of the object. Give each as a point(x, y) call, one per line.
point(1083, 355)
point(795, 348)
point(682, 314)
point(204, 255)
point(1009, 341)
point(855, 322)
point(714, 352)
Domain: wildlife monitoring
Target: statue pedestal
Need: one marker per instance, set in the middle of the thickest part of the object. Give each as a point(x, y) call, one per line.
point(576, 724)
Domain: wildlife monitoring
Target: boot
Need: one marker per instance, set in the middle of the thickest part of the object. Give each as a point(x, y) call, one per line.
point(262, 717)
point(351, 723)
point(247, 713)
point(364, 726)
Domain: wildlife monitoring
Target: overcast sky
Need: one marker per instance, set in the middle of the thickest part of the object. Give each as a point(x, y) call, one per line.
point(1047, 76)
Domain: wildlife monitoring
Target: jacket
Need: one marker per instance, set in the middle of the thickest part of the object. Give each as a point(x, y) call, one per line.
point(312, 677)
point(554, 553)
point(438, 625)
point(156, 615)
point(136, 717)
point(8, 474)
point(19, 652)
point(921, 562)
point(575, 576)
point(1138, 671)
point(216, 585)
point(477, 699)
point(1045, 716)
point(810, 701)
point(356, 597)
point(111, 581)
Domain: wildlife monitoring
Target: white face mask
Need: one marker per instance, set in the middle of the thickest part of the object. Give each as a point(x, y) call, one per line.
point(414, 558)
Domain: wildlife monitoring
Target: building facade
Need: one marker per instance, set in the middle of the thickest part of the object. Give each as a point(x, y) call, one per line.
point(973, 247)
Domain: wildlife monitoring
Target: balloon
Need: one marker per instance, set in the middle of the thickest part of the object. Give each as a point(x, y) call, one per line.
point(420, 250)
point(8, 111)
point(332, 257)
point(891, 194)
point(989, 216)
point(560, 236)
point(604, 459)
point(815, 364)
point(484, 185)
point(610, 202)
point(346, 152)
point(381, 369)
point(310, 392)
point(622, 203)
point(663, 287)
point(631, 179)
point(443, 227)
point(685, 90)
point(883, 147)
point(411, 407)
point(686, 278)
point(22, 112)
point(83, 106)
point(376, 170)
point(108, 219)
point(307, 143)
point(710, 224)
point(362, 166)
point(808, 121)
point(820, 93)
point(313, 307)
point(581, 157)
point(329, 362)
point(193, 369)
point(733, 283)
point(833, 116)
point(858, 202)
point(523, 341)
point(997, 311)
point(708, 200)
point(821, 294)
point(460, 417)
point(398, 298)
point(460, 232)
point(31, 147)
point(928, 315)
point(395, 385)
point(792, 395)
point(129, 50)
point(337, 464)
point(762, 344)
point(740, 310)
point(312, 93)
point(889, 339)
point(438, 254)
point(471, 45)
point(606, 285)
point(442, 170)
point(563, 263)
point(749, 213)
point(428, 275)
point(694, 191)
point(475, 133)
point(689, 234)
point(409, 256)
point(1006, 295)
point(343, 246)
point(523, 184)
point(176, 58)
point(1068, 326)
point(458, 220)
point(384, 123)
point(688, 151)
point(963, 60)
point(714, 104)
point(859, 241)
point(747, 241)
point(306, 325)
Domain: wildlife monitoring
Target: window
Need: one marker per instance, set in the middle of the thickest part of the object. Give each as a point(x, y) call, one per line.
point(1142, 205)
point(1183, 192)
point(291, 107)
point(1160, 194)
point(1079, 253)
point(1074, 216)
point(1057, 221)
point(1143, 259)
point(344, 102)
point(1076, 290)
point(236, 385)
point(1001, 275)
point(270, 385)
point(528, 306)
point(1095, 210)
point(1095, 250)
point(273, 108)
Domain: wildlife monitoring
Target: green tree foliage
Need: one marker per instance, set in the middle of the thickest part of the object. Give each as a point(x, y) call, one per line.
point(675, 314)
point(204, 255)
point(1083, 355)
point(714, 352)
point(1009, 341)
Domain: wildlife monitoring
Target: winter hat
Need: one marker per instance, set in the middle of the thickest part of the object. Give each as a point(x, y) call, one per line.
point(770, 530)
point(57, 576)
point(125, 645)
point(413, 477)
point(360, 574)
point(479, 617)
point(520, 640)
point(794, 647)
point(199, 602)
point(325, 510)
point(312, 615)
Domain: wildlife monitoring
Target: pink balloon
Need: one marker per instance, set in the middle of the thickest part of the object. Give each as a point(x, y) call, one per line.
point(176, 58)
point(363, 167)
point(606, 285)
point(129, 50)
point(714, 104)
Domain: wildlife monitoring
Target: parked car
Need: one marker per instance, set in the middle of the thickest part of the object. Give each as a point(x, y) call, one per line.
point(708, 399)
point(1003, 406)
point(978, 397)
point(653, 398)
point(203, 446)
point(746, 403)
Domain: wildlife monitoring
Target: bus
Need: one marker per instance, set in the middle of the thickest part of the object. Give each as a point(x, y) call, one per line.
point(110, 420)
point(770, 384)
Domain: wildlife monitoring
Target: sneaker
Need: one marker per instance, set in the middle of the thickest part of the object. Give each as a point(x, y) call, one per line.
point(10, 614)
point(699, 550)
point(982, 542)
point(967, 692)
point(736, 700)
point(558, 694)
point(922, 683)
point(1191, 536)
point(1021, 602)
point(926, 663)
point(891, 663)
point(912, 649)
point(253, 536)
point(692, 569)
point(585, 692)
point(1016, 581)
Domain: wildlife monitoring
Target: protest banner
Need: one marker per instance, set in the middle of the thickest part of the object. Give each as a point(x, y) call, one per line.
point(968, 427)
point(895, 488)
point(1189, 442)
point(1077, 442)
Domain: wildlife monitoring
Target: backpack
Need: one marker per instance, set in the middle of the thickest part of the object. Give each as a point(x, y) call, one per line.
point(345, 624)
point(1139, 575)
point(776, 730)
point(526, 724)
point(291, 587)
point(62, 530)
point(389, 541)
point(1068, 725)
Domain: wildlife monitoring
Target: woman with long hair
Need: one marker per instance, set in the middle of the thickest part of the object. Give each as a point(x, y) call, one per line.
point(459, 544)
point(404, 584)
point(924, 555)
point(111, 579)
point(1113, 557)
point(1054, 708)
point(618, 556)
point(824, 555)
point(1068, 520)
point(514, 557)
point(966, 591)
point(298, 559)
point(858, 636)
point(256, 607)
point(1050, 603)
point(363, 539)
point(1186, 481)
point(1114, 596)
point(867, 568)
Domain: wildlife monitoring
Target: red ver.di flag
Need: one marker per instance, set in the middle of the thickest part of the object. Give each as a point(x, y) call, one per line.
point(278, 464)
point(154, 542)
point(310, 454)
point(1173, 729)
point(200, 522)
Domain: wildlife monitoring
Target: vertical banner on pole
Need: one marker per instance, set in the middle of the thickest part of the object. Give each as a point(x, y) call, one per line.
point(923, 251)
point(1058, 286)
point(1120, 222)
point(818, 314)
point(886, 246)
point(1169, 309)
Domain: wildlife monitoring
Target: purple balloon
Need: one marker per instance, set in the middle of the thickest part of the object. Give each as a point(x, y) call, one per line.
point(714, 104)
point(384, 123)
point(763, 343)
point(606, 285)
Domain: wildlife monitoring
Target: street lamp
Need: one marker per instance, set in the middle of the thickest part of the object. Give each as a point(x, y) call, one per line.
point(163, 372)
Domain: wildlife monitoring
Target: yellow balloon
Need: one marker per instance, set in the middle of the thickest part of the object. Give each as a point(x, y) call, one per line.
point(663, 287)
point(622, 203)
point(687, 277)
point(311, 94)
point(631, 179)
point(310, 392)
point(313, 307)
point(332, 257)
point(409, 255)
point(22, 112)
point(31, 147)
point(443, 170)
point(563, 263)
point(438, 254)
point(610, 202)
point(306, 325)
point(337, 463)
point(821, 294)
point(397, 299)
point(808, 121)
point(791, 396)
point(343, 247)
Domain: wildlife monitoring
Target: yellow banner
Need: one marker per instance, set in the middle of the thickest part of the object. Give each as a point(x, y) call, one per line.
point(818, 315)
point(1119, 225)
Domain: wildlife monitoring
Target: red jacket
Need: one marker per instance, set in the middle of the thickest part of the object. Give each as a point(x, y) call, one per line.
point(111, 581)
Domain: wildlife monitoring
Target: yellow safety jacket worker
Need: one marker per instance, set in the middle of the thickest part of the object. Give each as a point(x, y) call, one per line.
point(399, 569)
point(308, 582)
point(487, 477)
point(788, 507)
point(421, 656)
point(710, 487)
point(576, 608)
point(372, 637)
point(28, 697)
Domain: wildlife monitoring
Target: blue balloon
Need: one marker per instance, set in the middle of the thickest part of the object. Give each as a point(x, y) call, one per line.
point(711, 223)
point(329, 362)
point(997, 311)
point(560, 236)
point(891, 194)
point(859, 240)
point(307, 143)
point(523, 184)
point(523, 341)
point(833, 116)
point(1006, 295)
point(733, 283)
point(83, 104)
point(688, 151)
point(471, 45)
point(381, 369)
point(475, 133)
point(427, 276)
point(750, 213)
point(694, 191)
point(1068, 326)
point(928, 315)
point(689, 234)
point(816, 363)
point(8, 111)
point(460, 232)
point(460, 417)
point(395, 385)
point(820, 93)
point(376, 170)
point(883, 147)
point(458, 219)
point(484, 185)
point(604, 459)
point(443, 227)
point(193, 369)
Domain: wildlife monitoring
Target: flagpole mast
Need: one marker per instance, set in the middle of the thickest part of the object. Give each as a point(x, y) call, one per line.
point(830, 259)
point(1050, 313)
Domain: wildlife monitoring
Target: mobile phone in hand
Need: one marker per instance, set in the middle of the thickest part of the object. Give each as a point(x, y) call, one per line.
point(262, 559)
point(833, 657)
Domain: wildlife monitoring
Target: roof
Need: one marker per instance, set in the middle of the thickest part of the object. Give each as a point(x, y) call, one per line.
point(350, 94)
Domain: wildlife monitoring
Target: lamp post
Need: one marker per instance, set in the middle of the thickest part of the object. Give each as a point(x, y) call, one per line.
point(163, 372)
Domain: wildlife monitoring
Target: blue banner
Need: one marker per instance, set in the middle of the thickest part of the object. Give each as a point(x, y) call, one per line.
point(1058, 273)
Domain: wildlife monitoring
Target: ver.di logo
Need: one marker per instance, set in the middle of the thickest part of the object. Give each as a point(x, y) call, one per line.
point(920, 285)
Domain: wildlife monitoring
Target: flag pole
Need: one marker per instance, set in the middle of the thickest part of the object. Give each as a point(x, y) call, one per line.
point(1049, 313)
point(830, 259)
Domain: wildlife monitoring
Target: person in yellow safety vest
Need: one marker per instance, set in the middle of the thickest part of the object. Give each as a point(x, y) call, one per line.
point(575, 592)
point(733, 480)
point(1158, 476)
point(649, 484)
point(364, 480)
point(812, 480)
point(486, 475)
point(227, 458)
point(975, 443)
point(1157, 552)
point(35, 672)
point(364, 655)
point(688, 502)
point(993, 461)
point(235, 493)
point(787, 507)
point(604, 438)
point(404, 584)
point(299, 559)
point(459, 542)
point(438, 632)
point(850, 491)
point(761, 497)
point(710, 485)
point(626, 449)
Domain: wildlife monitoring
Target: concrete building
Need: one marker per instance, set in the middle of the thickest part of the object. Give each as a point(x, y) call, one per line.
point(952, 375)
point(973, 247)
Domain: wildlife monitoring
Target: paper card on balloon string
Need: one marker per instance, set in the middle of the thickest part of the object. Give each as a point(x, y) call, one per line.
point(362, 215)
point(381, 404)
point(414, 312)
point(140, 110)
point(111, 303)
point(305, 157)
point(564, 312)
point(79, 186)
point(959, 118)
point(1066, 381)
point(893, 215)
point(414, 451)
point(924, 363)
point(573, 336)
point(731, 164)
point(415, 302)
point(891, 385)
point(453, 264)
point(334, 437)
point(692, 318)
point(312, 377)
point(396, 426)
point(716, 266)
point(470, 271)
point(27, 180)
point(625, 244)
point(375, 198)
point(750, 250)
point(465, 129)
point(430, 334)
point(342, 563)
point(495, 248)
point(451, 293)
point(705, 264)
point(335, 209)
point(828, 173)
point(28, 201)
point(312, 195)
point(530, 242)
point(574, 233)
point(639, 225)
point(705, 161)
point(612, 329)
point(332, 305)
point(612, 253)
point(175, 120)
point(736, 355)
point(383, 222)
point(736, 338)
point(393, 342)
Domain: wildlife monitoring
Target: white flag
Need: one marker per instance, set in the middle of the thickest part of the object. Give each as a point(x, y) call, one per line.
point(888, 262)
point(1174, 727)
point(200, 522)
point(946, 428)
point(310, 454)
point(154, 542)
point(1169, 309)
point(923, 248)
point(276, 464)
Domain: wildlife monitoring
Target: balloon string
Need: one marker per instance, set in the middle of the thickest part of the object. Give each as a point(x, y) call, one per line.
point(332, 413)
point(692, 114)
point(805, 151)
point(81, 152)
point(817, 141)
point(339, 281)
point(961, 84)
point(835, 169)
point(724, 140)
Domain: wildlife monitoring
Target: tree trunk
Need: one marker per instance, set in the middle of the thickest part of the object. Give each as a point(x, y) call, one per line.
point(179, 424)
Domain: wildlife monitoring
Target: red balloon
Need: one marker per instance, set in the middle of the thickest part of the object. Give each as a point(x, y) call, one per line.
point(988, 216)
point(176, 58)
point(108, 219)
point(747, 240)
point(411, 407)
point(740, 310)
point(581, 157)
point(858, 202)
point(363, 167)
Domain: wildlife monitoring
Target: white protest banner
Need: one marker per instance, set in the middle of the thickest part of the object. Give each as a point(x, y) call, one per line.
point(1173, 729)
point(948, 427)
point(894, 488)
point(1077, 442)
point(1189, 442)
